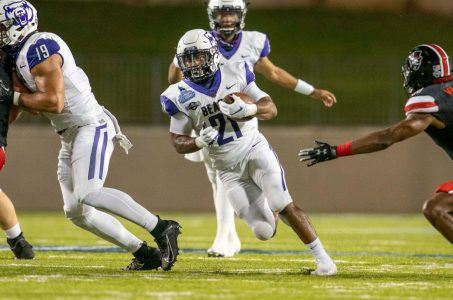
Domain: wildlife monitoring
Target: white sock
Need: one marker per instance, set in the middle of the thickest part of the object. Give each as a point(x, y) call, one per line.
point(224, 213)
point(121, 204)
point(13, 232)
point(317, 250)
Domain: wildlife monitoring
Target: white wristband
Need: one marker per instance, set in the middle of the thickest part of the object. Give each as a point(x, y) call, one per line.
point(304, 87)
point(251, 109)
point(16, 98)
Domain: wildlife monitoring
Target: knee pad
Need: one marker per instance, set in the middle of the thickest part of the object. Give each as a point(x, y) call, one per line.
point(78, 213)
point(263, 231)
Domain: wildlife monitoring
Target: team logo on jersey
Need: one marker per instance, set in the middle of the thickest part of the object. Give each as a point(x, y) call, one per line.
point(193, 105)
point(19, 12)
point(185, 95)
point(415, 60)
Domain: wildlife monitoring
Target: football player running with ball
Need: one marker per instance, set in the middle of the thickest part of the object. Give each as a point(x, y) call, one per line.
point(243, 159)
point(8, 113)
point(61, 91)
point(429, 84)
point(227, 22)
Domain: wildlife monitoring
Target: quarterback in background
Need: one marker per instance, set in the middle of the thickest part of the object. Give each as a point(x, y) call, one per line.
point(227, 22)
point(244, 161)
point(57, 88)
point(429, 84)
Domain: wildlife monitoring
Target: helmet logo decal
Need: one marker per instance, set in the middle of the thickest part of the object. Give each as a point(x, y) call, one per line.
point(19, 12)
point(437, 71)
point(415, 60)
point(211, 38)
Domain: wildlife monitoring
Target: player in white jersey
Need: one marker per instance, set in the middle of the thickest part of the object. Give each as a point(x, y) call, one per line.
point(227, 21)
point(243, 159)
point(49, 82)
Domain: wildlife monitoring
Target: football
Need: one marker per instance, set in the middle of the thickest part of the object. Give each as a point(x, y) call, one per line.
point(244, 97)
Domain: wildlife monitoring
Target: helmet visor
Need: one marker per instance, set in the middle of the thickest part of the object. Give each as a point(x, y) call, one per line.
point(196, 64)
point(193, 59)
point(227, 19)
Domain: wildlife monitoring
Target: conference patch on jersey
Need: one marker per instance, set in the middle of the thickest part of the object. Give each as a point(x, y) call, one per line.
point(185, 95)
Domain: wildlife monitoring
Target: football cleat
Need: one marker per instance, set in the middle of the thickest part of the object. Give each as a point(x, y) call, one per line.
point(149, 259)
point(21, 248)
point(325, 268)
point(168, 244)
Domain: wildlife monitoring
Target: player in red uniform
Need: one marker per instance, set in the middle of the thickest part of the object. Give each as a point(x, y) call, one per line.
point(429, 84)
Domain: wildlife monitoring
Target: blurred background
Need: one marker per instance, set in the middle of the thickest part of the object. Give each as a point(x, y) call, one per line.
point(354, 48)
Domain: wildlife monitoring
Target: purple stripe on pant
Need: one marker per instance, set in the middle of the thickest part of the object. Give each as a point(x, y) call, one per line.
point(282, 172)
point(104, 146)
point(92, 168)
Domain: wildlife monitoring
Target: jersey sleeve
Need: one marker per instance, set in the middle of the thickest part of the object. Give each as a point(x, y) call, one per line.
point(168, 106)
point(254, 91)
point(266, 49)
point(42, 49)
point(181, 124)
point(421, 104)
point(250, 87)
point(249, 75)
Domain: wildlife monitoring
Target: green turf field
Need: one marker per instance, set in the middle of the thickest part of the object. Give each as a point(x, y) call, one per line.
point(378, 257)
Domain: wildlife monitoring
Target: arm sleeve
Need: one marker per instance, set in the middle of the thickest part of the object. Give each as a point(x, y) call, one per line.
point(254, 91)
point(181, 124)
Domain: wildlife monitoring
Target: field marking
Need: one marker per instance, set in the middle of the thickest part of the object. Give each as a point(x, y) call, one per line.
point(104, 249)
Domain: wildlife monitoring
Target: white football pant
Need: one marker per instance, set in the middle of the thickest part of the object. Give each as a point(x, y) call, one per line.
point(82, 170)
point(256, 188)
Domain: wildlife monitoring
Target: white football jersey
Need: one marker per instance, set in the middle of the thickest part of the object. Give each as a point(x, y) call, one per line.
point(249, 47)
point(200, 105)
point(80, 105)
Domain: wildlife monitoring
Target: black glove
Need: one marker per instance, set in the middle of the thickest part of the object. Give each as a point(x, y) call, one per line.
point(323, 152)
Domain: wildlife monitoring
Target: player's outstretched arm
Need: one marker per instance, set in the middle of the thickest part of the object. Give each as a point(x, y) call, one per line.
point(49, 96)
point(174, 74)
point(375, 141)
point(281, 77)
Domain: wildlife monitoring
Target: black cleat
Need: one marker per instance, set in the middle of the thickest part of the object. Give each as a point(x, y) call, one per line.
point(168, 244)
point(21, 248)
point(146, 258)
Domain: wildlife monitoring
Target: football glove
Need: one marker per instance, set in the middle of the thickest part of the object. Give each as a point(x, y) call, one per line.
point(323, 152)
point(207, 137)
point(238, 109)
